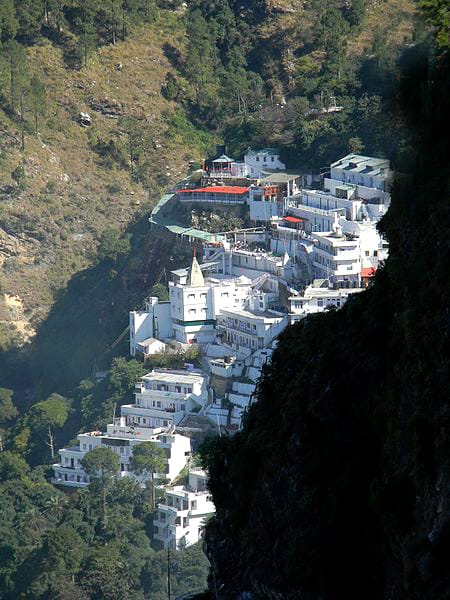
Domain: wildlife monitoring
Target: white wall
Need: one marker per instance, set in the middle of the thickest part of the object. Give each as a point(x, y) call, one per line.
point(259, 162)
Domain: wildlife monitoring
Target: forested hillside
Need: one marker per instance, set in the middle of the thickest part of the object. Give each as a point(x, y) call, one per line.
point(338, 486)
point(347, 444)
point(161, 83)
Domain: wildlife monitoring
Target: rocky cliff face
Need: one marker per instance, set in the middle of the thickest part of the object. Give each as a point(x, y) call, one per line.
point(338, 487)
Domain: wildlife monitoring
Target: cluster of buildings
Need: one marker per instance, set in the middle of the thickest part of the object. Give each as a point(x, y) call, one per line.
point(310, 242)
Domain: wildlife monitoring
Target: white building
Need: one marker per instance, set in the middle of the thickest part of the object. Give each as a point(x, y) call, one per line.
point(316, 298)
point(191, 312)
point(164, 397)
point(357, 190)
point(340, 255)
point(152, 322)
point(363, 170)
point(121, 440)
point(195, 306)
point(248, 330)
point(241, 261)
point(182, 515)
point(260, 162)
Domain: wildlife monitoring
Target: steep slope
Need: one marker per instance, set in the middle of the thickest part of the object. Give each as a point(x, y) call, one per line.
point(77, 180)
point(338, 487)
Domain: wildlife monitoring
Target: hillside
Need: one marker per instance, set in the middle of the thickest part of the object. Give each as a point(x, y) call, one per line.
point(73, 188)
point(79, 181)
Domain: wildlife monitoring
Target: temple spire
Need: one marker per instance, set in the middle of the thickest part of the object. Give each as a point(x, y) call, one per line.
point(196, 278)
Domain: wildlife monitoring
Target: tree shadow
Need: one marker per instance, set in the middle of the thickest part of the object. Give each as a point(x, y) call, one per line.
point(77, 337)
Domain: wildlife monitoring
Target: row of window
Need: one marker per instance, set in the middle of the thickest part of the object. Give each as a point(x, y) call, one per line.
point(193, 311)
point(164, 387)
point(237, 323)
point(242, 340)
point(77, 478)
point(148, 422)
point(272, 159)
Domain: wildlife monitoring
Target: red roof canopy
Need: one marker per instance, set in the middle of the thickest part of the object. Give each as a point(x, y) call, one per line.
point(293, 219)
point(368, 272)
point(222, 189)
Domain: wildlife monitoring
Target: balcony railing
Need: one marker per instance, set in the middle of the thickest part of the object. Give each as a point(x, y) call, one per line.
point(161, 393)
point(322, 212)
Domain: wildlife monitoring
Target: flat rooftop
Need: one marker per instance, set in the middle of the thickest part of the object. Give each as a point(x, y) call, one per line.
point(280, 177)
point(174, 376)
point(358, 163)
point(250, 314)
point(217, 189)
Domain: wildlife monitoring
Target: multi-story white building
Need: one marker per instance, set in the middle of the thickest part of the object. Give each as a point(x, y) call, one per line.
point(152, 322)
point(340, 255)
point(357, 190)
point(191, 312)
point(195, 306)
point(316, 298)
point(248, 330)
point(164, 397)
point(363, 170)
point(182, 515)
point(121, 439)
point(260, 162)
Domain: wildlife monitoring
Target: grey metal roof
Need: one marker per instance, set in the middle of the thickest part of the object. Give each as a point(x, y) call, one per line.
point(263, 152)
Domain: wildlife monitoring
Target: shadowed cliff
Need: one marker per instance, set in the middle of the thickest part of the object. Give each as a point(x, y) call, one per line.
point(338, 486)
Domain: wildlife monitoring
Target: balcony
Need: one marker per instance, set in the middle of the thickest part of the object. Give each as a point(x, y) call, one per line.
point(299, 209)
point(69, 483)
point(166, 507)
point(146, 392)
point(131, 431)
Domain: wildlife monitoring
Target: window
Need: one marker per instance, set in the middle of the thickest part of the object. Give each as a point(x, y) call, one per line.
point(254, 327)
point(84, 446)
point(272, 158)
point(191, 296)
point(203, 295)
point(178, 388)
point(182, 407)
point(122, 450)
point(192, 311)
point(367, 253)
point(319, 302)
point(375, 252)
point(194, 504)
point(224, 294)
point(158, 404)
point(257, 159)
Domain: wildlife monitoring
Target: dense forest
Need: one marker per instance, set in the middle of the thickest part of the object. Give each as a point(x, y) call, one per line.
point(318, 79)
point(338, 486)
